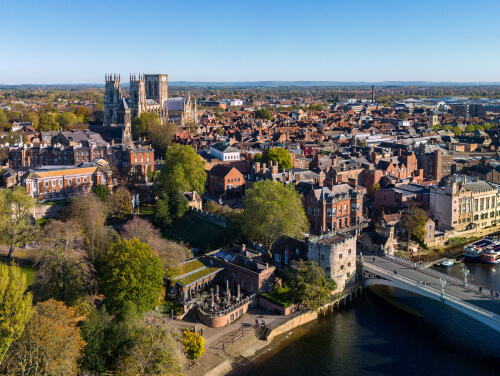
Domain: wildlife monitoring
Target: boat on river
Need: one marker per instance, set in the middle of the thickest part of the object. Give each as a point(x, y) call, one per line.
point(448, 263)
point(491, 255)
point(474, 250)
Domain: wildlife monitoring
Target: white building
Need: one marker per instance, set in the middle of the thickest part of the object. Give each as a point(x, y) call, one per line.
point(224, 152)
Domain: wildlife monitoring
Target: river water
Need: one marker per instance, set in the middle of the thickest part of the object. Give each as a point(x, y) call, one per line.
point(389, 332)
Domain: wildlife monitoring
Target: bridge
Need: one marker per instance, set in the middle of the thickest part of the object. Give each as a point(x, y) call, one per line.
point(470, 299)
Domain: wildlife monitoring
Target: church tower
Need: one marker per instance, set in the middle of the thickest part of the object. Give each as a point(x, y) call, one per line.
point(112, 99)
point(157, 87)
point(137, 95)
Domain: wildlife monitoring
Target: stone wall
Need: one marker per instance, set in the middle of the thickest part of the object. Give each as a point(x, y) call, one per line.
point(215, 219)
point(47, 211)
point(266, 304)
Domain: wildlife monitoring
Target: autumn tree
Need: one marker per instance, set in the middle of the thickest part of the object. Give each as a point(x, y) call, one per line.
point(413, 222)
point(120, 202)
point(132, 274)
point(183, 171)
point(280, 155)
point(309, 284)
point(90, 213)
point(374, 188)
point(65, 272)
point(16, 220)
point(194, 344)
point(155, 350)
point(271, 210)
point(170, 253)
point(50, 344)
point(15, 305)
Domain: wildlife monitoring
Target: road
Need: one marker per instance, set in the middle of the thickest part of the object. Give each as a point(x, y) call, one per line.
point(453, 287)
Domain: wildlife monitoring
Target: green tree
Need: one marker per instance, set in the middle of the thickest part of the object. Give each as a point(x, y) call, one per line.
point(178, 204)
point(64, 273)
point(142, 124)
point(132, 274)
point(32, 116)
point(413, 222)
point(272, 209)
point(263, 114)
point(220, 131)
point(102, 191)
point(183, 171)
point(470, 129)
point(66, 119)
point(194, 344)
point(280, 155)
point(17, 223)
point(48, 122)
point(15, 305)
point(309, 284)
point(457, 131)
point(160, 136)
point(50, 344)
point(161, 213)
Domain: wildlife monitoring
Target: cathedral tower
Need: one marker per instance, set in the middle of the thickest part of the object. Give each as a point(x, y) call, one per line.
point(157, 87)
point(112, 99)
point(137, 95)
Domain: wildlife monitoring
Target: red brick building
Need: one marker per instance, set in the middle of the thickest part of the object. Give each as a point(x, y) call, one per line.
point(57, 184)
point(141, 159)
point(333, 208)
point(226, 181)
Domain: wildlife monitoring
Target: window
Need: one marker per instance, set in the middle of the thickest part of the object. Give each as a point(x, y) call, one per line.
point(349, 265)
point(345, 208)
point(46, 184)
point(340, 256)
point(77, 180)
point(349, 252)
point(340, 209)
point(142, 160)
point(286, 258)
point(148, 159)
point(322, 257)
point(135, 160)
point(278, 257)
point(60, 182)
point(297, 251)
point(234, 274)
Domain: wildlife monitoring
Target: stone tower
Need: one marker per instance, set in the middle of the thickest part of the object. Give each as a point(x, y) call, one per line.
point(112, 98)
point(137, 95)
point(156, 87)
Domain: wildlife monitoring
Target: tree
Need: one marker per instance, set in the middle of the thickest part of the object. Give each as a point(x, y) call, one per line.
point(50, 344)
point(155, 351)
point(457, 131)
point(102, 191)
point(374, 188)
point(132, 274)
point(403, 116)
point(48, 122)
point(194, 344)
point(470, 129)
point(183, 171)
point(32, 116)
point(279, 155)
point(161, 214)
point(90, 213)
point(309, 284)
point(15, 305)
point(66, 119)
point(272, 209)
point(220, 131)
point(142, 124)
point(160, 136)
point(120, 202)
point(170, 253)
point(413, 222)
point(17, 223)
point(263, 114)
point(178, 204)
point(64, 273)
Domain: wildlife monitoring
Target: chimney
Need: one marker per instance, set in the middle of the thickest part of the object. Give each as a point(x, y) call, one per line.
point(274, 168)
point(264, 167)
point(398, 152)
point(257, 167)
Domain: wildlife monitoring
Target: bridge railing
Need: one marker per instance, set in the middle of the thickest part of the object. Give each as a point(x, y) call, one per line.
point(455, 281)
point(430, 290)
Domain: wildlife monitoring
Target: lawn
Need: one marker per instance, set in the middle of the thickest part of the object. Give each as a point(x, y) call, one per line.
point(198, 233)
point(25, 258)
point(280, 297)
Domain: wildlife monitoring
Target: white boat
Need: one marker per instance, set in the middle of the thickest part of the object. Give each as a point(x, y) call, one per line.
point(448, 263)
point(472, 251)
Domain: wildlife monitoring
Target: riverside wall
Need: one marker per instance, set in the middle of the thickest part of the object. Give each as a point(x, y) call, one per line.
point(213, 218)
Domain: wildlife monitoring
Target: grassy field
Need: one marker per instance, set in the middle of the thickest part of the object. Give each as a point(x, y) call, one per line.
point(25, 258)
point(197, 233)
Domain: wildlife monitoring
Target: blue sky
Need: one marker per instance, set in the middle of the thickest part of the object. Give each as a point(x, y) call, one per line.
point(55, 41)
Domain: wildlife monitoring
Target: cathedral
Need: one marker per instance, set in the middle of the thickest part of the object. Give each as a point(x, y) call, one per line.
point(148, 93)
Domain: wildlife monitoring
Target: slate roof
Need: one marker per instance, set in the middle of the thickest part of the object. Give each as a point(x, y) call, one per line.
point(174, 104)
point(221, 170)
point(478, 186)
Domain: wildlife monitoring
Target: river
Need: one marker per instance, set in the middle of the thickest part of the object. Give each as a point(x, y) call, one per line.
point(389, 332)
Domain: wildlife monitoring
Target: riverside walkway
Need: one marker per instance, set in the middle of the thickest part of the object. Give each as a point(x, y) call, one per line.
point(465, 297)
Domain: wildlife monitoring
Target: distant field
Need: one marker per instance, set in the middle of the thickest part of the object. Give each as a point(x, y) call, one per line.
point(197, 233)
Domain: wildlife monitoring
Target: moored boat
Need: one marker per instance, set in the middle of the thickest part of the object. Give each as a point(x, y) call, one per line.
point(447, 263)
point(491, 256)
